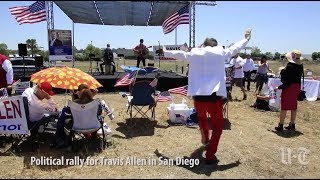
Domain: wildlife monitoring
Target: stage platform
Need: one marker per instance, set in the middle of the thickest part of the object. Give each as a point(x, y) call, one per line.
point(166, 81)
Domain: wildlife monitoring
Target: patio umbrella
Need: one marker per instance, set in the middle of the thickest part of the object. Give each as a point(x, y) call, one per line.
point(65, 78)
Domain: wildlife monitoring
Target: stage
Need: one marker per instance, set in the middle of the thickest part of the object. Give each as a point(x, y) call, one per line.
point(166, 81)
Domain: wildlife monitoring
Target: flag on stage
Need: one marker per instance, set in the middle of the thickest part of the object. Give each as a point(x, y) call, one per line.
point(34, 13)
point(180, 90)
point(180, 17)
point(164, 96)
point(127, 79)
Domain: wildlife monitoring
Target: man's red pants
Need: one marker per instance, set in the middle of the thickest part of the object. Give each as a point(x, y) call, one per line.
point(215, 109)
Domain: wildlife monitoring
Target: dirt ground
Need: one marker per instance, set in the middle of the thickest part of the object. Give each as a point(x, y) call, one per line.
point(248, 148)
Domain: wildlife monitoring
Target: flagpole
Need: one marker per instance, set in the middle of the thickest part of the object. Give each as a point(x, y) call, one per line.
point(74, 56)
point(175, 62)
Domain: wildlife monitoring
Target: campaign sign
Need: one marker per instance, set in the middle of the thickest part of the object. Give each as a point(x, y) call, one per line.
point(60, 45)
point(168, 47)
point(13, 119)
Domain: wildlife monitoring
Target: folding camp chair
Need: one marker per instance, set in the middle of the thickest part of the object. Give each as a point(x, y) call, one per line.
point(86, 119)
point(142, 95)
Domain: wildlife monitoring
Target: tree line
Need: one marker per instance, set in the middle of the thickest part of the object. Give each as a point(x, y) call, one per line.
point(83, 54)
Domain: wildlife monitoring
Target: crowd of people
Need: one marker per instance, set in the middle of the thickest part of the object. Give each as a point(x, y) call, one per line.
point(206, 85)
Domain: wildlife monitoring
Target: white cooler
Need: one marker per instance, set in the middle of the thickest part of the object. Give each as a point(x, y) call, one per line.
point(178, 113)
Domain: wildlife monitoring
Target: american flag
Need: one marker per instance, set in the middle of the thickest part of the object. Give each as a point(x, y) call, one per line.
point(3, 93)
point(154, 82)
point(34, 13)
point(126, 80)
point(164, 97)
point(180, 90)
point(180, 17)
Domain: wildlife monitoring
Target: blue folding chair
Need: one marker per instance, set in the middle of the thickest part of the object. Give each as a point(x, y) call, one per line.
point(142, 95)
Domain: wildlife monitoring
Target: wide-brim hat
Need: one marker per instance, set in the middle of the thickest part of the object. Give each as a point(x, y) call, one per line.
point(291, 57)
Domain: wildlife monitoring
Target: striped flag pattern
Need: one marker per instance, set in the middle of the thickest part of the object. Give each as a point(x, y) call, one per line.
point(180, 90)
point(3, 93)
point(164, 97)
point(154, 82)
point(180, 17)
point(34, 13)
point(127, 79)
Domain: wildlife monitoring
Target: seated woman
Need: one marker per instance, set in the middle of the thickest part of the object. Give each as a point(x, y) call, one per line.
point(83, 96)
point(263, 98)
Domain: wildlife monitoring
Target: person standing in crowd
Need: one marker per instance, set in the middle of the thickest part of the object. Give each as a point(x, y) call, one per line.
point(247, 68)
point(207, 85)
point(141, 52)
point(6, 74)
point(262, 73)
point(238, 77)
point(108, 59)
point(291, 85)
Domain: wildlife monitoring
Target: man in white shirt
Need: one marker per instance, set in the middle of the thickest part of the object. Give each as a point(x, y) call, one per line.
point(247, 68)
point(38, 108)
point(207, 85)
point(6, 73)
point(238, 63)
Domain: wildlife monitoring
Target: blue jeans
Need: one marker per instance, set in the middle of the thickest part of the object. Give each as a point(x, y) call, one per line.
point(65, 114)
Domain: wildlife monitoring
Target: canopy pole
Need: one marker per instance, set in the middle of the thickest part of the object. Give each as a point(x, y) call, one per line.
point(73, 54)
point(175, 62)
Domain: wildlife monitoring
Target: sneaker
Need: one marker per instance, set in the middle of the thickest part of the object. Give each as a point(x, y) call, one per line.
point(291, 127)
point(279, 128)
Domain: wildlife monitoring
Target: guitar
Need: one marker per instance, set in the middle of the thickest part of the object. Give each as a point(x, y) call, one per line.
point(142, 51)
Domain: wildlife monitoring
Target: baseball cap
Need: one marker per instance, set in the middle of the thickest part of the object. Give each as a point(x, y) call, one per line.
point(46, 87)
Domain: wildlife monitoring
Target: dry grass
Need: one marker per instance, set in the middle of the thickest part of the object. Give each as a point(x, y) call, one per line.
point(248, 150)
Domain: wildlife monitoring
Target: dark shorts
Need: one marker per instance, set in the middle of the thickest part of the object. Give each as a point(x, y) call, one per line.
point(238, 82)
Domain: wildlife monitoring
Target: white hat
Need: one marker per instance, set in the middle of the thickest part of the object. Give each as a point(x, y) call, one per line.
point(291, 56)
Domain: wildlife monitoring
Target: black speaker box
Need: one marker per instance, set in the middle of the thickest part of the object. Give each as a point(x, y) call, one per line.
point(22, 48)
point(38, 61)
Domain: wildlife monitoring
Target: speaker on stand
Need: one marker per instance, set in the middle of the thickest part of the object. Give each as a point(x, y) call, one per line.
point(22, 48)
point(38, 62)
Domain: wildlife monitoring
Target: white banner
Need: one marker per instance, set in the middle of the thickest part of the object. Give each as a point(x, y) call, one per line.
point(60, 45)
point(168, 47)
point(13, 119)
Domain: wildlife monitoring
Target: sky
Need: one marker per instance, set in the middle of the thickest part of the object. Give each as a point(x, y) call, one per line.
point(277, 26)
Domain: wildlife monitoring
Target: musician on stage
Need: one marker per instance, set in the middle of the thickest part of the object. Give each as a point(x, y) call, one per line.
point(141, 51)
point(108, 59)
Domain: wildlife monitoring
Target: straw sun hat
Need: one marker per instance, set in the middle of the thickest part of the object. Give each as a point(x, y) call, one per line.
point(291, 56)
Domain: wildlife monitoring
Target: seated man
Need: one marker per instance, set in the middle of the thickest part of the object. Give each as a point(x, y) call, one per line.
point(108, 59)
point(38, 108)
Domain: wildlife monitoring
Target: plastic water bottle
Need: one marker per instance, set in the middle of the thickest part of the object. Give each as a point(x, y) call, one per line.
point(107, 110)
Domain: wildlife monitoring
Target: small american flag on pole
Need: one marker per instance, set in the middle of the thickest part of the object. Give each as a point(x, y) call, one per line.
point(180, 17)
point(3, 93)
point(164, 97)
point(126, 80)
point(34, 13)
point(180, 90)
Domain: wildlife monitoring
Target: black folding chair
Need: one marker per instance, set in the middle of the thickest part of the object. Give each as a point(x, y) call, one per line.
point(142, 95)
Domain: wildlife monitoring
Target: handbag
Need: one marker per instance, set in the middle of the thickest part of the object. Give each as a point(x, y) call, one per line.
point(302, 93)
